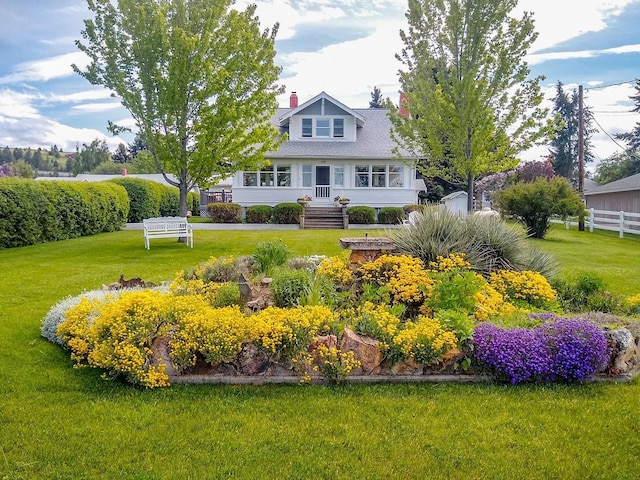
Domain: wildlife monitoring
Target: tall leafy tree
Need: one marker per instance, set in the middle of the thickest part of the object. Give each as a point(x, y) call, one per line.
point(121, 154)
point(198, 78)
point(632, 138)
point(564, 146)
point(90, 156)
point(472, 107)
point(617, 166)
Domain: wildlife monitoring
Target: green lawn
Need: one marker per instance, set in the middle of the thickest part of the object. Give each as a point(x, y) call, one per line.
point(60, 422)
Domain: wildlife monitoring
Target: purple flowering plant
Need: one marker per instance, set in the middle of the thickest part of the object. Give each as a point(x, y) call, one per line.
point(561, 349)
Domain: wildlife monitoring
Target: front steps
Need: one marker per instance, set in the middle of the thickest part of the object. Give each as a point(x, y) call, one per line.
point(324, 217)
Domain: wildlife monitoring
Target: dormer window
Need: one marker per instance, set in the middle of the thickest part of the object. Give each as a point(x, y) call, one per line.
point(322, 127)
point(307, 127)
point(338, 127)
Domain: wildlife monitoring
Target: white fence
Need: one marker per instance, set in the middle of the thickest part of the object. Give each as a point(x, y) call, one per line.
point(622, 222)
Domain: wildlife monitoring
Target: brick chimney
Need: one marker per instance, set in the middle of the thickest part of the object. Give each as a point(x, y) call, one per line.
point(404, 105)
point(293, 100)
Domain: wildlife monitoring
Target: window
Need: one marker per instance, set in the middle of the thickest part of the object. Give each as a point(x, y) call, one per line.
point(362, 175)
point(266, 176)
point(307, 127)
point(338, 127)
point(395, 176)
point(250, 179)
point(323, 127)
point(338, 176)
point(284, 175)
point(379, 177)
point(307, 175)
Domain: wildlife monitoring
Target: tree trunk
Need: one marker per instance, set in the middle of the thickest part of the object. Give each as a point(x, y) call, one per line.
point(470, 187)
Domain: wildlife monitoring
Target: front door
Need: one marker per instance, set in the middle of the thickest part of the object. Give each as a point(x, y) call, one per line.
point(323, 181)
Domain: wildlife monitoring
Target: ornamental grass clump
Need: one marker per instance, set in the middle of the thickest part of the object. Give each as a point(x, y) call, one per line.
point(563, 349)
point(489, 244)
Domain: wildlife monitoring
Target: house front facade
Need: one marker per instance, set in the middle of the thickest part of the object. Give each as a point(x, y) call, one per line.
point(332, 150)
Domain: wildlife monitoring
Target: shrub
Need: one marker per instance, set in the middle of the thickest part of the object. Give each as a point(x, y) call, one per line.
point(489, 244)
point(144, 197)
point(413, 207)
point(290, 287)
point(524, 286)
point(193, 203)
point(533, 204)
point(36, 212)
point(391, 215)
point(269, 255)
point(585, 292)
point(361, 215)
point(287, 213)
point(424, 340)
point(227, 295)
point(225, 212)
point(259, 214)
point(221, 270)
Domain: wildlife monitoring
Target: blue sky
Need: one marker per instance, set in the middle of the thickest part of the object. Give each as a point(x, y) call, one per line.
point(343, 47)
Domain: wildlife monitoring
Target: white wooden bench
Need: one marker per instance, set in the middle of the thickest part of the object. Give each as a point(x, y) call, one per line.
point(167, 227)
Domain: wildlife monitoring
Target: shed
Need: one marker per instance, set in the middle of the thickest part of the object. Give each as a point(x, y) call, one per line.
point(620, 196)
point(455, 202)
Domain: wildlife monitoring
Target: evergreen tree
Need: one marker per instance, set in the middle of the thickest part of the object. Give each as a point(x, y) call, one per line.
point(137, 145)
point(28, 156)
point(18, 153)
point(564, 147)
point(36, 159)
point(376, 98)
point(472, 106)
point(7, 155)
point(632, 138)
point(121, 155)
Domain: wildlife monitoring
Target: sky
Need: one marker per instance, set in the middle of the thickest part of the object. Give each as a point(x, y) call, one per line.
point(342, 47)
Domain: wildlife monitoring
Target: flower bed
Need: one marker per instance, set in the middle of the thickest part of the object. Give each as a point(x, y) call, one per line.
point(392, 317)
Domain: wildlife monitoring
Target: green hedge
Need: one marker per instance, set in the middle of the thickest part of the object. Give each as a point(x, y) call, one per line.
point(259, 214)
point(225, 212)
point(361, 215)
point(35, 212)
point(391, 215)
point(287, 213)
point(148, 199)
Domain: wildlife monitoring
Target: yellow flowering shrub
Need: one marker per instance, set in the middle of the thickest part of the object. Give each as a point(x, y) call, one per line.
point(186, 284)
point(424, 340)
point(523, 286)
point(405, 277)
point(491, 303)
point(286, 332)
point(116, 335)
point(334, 364)
point(375, 321)
point(633, 304)
point(217, 333)
point(336, 269)
point(452, 262)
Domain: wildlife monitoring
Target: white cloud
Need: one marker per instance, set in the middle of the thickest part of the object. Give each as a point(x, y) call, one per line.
point(47, 69)
point(95, 107)
point(560, 20)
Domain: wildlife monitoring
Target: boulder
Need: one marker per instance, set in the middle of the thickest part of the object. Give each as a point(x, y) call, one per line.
point(160, 355)
point(625, 352)
point(252, 360)
point(365, 349)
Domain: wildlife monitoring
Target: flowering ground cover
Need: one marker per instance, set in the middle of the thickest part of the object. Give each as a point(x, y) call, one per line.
point(59, 422)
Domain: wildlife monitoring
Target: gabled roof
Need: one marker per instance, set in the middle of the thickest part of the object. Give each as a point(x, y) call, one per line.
point(373, 140)
point(623, 185)
point(453, 195)
point(284, 118)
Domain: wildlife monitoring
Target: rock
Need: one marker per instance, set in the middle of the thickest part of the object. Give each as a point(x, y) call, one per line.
point(252, 360)
point(365, 349)
point(160, 355)
point(406, 367)
point(329, 341)
point(625, 352)
point(450, 358)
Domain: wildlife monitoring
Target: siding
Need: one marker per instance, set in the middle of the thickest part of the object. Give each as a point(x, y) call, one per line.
point(615, 201)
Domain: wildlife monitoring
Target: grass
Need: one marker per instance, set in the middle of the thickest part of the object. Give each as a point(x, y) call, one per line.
point(57, 422)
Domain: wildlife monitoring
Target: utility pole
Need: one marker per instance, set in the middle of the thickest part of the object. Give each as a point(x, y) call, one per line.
point(580, 154)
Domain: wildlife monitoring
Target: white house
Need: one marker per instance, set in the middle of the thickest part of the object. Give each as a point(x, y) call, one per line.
point(332, 150)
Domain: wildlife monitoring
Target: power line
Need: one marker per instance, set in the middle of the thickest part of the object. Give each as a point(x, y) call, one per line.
point(610, 85)
point(626, 150)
